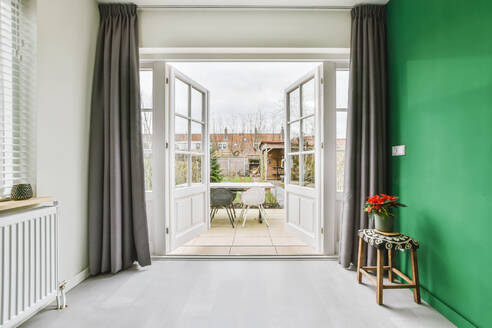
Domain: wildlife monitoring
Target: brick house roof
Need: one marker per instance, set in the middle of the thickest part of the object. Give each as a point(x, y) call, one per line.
point(244, 143)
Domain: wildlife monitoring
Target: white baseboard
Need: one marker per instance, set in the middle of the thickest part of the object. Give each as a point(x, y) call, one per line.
point(77, 279)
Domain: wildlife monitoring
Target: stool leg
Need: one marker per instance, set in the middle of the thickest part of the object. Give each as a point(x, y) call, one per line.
point(360, 260)
point(380, 272)
point(415, 275)
point(390, 264)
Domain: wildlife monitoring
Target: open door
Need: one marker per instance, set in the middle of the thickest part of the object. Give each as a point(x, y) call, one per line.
point(303, 144)
point(189, 158)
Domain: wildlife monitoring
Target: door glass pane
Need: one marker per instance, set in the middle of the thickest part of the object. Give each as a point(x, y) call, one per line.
point(181, 169)
point(196, 136)
point(147, 155)
point(342, 82)
point(146, 89)
point(341, 125)
point(340, 147)
point(294, 169)
point(180, 133)
point(146, 118)
point(308, 170)
point(181, 97)
point(295, 110)
point(196, 104)
point(196, 169)
point(294, 136)
point(308, 98)
point(308, 133)
point(340, 169)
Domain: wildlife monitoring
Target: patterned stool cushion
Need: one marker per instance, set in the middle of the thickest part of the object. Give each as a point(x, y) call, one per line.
point(378, 240)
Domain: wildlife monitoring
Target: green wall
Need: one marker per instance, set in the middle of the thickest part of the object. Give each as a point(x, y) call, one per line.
point(440, 81)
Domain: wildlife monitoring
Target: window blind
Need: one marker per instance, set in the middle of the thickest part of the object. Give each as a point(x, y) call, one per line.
point(17, 88)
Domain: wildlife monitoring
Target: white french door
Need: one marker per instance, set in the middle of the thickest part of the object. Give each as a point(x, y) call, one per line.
point(188, 157)
point(303, 143)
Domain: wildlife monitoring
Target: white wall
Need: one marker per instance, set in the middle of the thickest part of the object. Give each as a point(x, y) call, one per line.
point(66, 33)
point(244, 28)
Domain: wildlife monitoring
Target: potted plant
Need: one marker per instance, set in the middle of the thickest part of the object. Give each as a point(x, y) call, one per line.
point(380, 207)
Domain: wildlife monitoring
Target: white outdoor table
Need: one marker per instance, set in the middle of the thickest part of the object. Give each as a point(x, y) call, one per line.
point(241, 186)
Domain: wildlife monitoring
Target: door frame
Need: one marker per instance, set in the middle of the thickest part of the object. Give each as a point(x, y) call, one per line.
point(160, 210)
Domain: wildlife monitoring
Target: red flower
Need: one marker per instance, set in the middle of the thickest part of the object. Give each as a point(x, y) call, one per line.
point(387, 197)
point(381, 204)
point(375, 200)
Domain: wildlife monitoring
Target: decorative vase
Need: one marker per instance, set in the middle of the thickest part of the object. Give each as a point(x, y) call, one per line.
point(21, 191)
point(384, 223)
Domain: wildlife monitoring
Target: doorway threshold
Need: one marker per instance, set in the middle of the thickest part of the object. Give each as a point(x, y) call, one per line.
point(246, 257)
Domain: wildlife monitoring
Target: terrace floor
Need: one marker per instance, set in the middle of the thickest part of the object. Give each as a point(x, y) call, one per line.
point(254, 239)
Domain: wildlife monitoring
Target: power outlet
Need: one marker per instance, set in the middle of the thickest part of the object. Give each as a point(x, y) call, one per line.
point(399, 150)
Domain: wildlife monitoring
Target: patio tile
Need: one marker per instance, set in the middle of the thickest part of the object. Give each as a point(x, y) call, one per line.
point(218, 233)
point(252, 241)
point(276, 220)
point(276, 225)
point(295, 250)
point(222, 227)
point(253, 251)
point(252, 232)
point(275, 215)
point(177, 251)
point(221, 230)
point(275, 229)
point(287, 241)
point(252, 225)
point(279, 233)
point(204, 250)
point(211, 241)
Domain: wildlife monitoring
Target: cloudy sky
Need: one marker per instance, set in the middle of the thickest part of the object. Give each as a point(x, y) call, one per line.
point(246, 94)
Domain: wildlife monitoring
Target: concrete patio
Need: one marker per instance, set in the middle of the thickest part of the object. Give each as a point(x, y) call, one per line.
point(254, 238)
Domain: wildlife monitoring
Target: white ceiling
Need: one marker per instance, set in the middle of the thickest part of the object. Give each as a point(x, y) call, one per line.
point(253, 3)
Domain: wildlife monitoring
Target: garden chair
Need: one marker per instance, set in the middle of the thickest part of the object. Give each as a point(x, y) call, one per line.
point(253, 197)
point(222, 198)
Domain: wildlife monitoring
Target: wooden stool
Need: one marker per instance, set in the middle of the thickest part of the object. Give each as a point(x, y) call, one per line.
point(388, 242)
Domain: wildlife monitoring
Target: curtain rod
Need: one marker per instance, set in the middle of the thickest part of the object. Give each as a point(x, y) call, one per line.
point(242, 7)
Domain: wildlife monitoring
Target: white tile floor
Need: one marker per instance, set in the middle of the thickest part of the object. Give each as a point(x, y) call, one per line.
point(254, 238)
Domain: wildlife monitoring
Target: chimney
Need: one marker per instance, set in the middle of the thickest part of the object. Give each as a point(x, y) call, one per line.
point(282, 134)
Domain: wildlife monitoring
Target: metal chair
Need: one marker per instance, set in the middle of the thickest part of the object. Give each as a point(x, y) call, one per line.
point(222, 198)
point(253, 197)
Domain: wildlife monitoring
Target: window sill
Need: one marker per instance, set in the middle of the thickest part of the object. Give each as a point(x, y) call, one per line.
point(13, 204)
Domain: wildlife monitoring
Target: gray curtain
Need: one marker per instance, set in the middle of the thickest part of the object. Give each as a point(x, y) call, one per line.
point(366, 157)
point(118, 234)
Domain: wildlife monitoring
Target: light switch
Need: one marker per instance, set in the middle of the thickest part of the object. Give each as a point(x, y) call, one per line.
point(399, 150)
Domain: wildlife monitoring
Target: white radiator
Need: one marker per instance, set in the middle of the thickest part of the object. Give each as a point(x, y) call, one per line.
point(28, 263)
